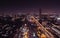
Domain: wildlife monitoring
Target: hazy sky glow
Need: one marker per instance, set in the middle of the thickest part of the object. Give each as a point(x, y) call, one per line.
point(29, 6)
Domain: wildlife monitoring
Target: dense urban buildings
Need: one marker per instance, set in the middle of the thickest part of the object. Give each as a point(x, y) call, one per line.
point(30, 19)
point(29, 26)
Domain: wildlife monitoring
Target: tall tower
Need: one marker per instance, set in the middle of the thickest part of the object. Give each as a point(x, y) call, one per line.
point(40, 12)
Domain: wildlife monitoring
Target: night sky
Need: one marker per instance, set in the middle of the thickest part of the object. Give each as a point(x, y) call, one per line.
point(27, 6)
